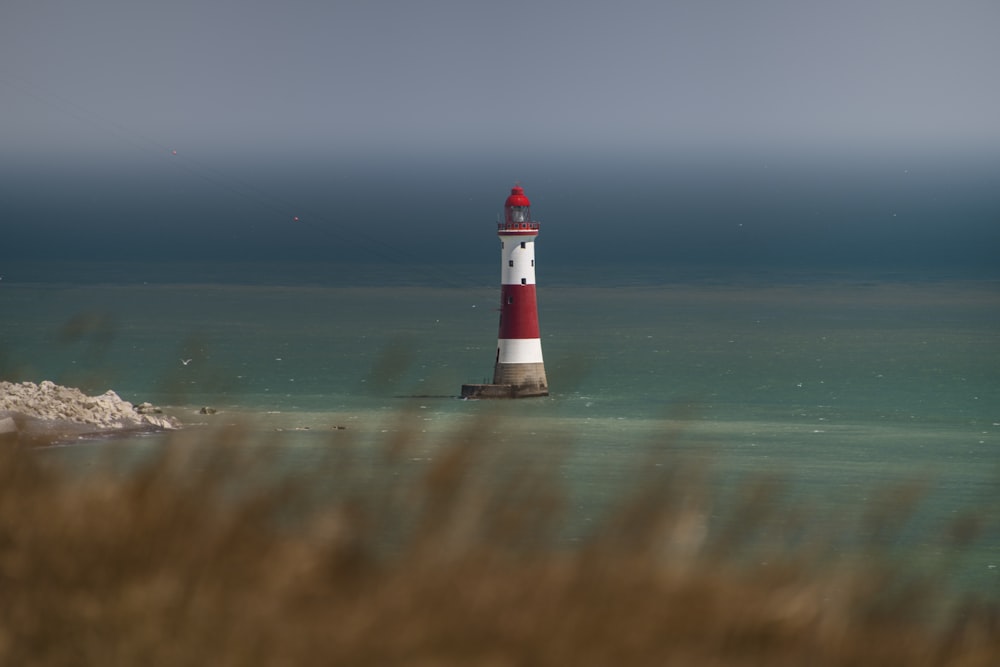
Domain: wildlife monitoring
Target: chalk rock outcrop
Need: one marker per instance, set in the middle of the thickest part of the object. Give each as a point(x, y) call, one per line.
point(48, 410)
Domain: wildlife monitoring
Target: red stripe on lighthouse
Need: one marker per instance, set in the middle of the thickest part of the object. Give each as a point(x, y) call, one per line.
point(518, 312)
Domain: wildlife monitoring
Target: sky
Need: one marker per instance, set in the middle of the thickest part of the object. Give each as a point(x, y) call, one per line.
point(450, 74)
point(121, 104)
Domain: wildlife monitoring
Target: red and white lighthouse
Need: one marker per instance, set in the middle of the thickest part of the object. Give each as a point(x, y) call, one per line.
point(519, 370)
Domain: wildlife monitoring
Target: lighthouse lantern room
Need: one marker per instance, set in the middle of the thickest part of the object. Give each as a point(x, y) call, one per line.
point(518, 371)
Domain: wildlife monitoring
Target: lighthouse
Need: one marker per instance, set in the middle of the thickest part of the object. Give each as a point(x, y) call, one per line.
point(518, 371)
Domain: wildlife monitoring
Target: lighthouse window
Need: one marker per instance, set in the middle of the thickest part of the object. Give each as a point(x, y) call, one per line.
point(518, 214)
point(524, 281)
point(523, 244)
point(510, 300)
point(532, 262)
point(510, 262)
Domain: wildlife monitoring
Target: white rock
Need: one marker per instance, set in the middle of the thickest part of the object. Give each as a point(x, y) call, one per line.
point(50, 402)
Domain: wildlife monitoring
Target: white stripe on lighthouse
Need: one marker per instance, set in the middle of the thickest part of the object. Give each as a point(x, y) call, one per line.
point(519, 351)
point(517, 260)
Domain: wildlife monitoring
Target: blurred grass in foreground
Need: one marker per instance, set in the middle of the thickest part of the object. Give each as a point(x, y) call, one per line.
point(198, 553)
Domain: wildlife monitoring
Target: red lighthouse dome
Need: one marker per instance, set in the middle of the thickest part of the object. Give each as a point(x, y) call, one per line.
point(517, 213)
point(517, 197)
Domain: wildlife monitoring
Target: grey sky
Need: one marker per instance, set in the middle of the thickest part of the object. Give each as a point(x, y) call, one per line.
point(462, 75)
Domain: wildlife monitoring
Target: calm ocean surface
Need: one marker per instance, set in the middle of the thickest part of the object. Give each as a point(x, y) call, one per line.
point(844, 385)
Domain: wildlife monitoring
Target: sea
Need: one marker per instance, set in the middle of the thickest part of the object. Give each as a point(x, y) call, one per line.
point(844, 386)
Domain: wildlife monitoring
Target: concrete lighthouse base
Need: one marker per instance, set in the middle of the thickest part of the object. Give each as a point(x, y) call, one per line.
point(511, 381)
point(523, 375)
point(502, 391)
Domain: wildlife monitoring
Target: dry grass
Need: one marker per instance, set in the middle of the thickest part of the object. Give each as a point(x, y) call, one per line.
point(199, 555)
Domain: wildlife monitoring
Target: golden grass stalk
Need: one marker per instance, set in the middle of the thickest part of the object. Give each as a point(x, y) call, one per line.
point(199, 553)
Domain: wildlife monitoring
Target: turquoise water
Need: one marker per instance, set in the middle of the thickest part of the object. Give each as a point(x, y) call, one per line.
point(843, 385)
